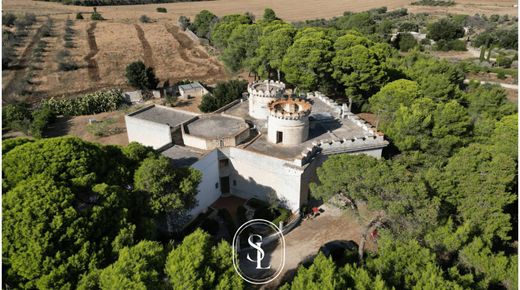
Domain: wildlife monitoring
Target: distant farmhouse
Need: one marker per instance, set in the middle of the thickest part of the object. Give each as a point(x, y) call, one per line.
point(256, 146)
point(192, 90)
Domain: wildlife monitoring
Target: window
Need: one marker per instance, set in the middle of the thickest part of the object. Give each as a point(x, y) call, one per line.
point(222, 163)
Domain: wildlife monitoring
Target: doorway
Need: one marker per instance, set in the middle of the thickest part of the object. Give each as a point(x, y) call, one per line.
point(279, 137)
point(224, 184)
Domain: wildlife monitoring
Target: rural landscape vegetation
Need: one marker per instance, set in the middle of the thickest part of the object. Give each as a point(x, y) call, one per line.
point(83, 209)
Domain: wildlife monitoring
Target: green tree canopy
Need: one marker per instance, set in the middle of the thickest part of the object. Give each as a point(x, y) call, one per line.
point(198, 264)
point(140, 76)
point(168, 188)
point(307, 61)
point(138, 267)
point(445, 29)
point(394, 94)
point(222, 30)
point(276, 38)
point(269, 15)
point(203, 22)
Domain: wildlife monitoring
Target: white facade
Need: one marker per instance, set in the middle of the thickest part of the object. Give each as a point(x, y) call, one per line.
point(147, 132)
point(209, 187)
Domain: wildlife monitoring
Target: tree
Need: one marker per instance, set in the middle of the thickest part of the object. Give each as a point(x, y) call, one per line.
point(10, 144)
point(445, 29)
point(241, 50)
point(361, 22)
point(198, 264)
point(138, 267)
point(276, 38)
point(323, 273)
point(67, 209)
point(208, 103)
point(223, 94)
point(399, 201)
point(140, 76)
point(388, 100)
point(168, 188)
point(307, 61)
point(359, 66)
point(222, 30)
point(203, 22)
point(16, 116)
point(269, 15)
point(405, 41)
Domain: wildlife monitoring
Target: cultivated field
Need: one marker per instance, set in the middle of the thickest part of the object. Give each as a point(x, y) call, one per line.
point(289, 10)
point(103, 49)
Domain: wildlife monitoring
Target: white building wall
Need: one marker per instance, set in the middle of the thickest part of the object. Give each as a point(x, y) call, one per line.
point(208, 193)
point(147, 133)
point(255, 175)
point(294, 132)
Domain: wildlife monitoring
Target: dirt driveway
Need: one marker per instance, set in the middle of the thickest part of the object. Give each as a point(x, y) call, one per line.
point(304, 241)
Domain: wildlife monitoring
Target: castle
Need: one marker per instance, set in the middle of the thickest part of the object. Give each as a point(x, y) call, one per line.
point(264, 143)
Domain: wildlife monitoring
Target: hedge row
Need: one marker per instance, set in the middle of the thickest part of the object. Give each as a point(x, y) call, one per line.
point(98, 102)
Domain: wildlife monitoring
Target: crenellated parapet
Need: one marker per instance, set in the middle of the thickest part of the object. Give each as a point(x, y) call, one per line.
point(289, 108)
point(328, 146)
point(338, 109)
point(266, 89)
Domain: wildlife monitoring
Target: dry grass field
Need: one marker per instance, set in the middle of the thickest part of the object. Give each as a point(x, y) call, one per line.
point(103, 49)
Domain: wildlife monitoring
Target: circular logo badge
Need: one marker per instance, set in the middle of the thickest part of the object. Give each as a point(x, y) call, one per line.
point(258, 251)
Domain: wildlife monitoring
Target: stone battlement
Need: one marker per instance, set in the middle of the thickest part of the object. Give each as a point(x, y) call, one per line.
point(326, 147)
point(328, 101)
point(289, 108)
point(266, 89)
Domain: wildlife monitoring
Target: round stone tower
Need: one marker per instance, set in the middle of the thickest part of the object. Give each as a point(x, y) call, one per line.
point(288, 122)
point(260, 94)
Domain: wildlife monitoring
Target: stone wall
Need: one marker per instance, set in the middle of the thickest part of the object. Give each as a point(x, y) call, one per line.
point(208, 191)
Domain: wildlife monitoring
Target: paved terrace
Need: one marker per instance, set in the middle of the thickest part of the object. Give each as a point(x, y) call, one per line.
point(216, 126)
point(163, 115)
point(324, 125)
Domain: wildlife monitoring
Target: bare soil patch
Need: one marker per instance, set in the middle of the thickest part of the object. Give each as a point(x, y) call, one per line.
point(78, 127)
point(147, 49)
point(93, 68)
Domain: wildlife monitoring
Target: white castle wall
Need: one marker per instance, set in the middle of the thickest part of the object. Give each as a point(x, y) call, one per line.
point(148, 133)
point(258, 98)
point(294, 132)
point(208, 193)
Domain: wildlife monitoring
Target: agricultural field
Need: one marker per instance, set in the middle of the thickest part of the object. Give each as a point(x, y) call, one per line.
point(98, 52)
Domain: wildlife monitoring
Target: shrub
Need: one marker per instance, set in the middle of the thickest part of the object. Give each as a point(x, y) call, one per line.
point(8, 19)
point(68, 66)
point(456, 44)
point(42, 117)
point(408, 26)
point(501, 75)
point(96, 16)
point(210, 226)
point(208, 103)
point(68, 44)
point(145, 19)
point(241, 214)
point(94, 103)
point(504, 61)
point(406, 41)
point(161, 10)
point(445, 29)
point(228, 220)
point(16, 116)
point(103, 128)
point(79, 16)
point(284, 216)
point(140, 76)
point(184, 22)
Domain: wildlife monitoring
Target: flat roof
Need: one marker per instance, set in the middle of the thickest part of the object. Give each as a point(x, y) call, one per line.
point(163, 115)
point(324, 125)
point(216, 126)
point(195, 85)
point(182, 156)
